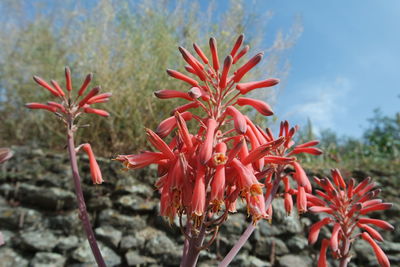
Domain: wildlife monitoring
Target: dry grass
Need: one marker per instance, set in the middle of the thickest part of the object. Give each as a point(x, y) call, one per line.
point(127, 45)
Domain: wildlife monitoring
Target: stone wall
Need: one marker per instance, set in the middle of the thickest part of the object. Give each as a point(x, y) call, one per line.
point(40, 224)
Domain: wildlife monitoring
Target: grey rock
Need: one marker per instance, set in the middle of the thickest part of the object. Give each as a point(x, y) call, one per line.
point(234, 225)
point(109, 235)
point(158, 244)
point(365, 252)
point(39, 240)
point(99, 203)
point(120, 221)
point(295, 260)
point(297, 243)
point(136, 203)
point(68, 222)
point(84, 254)
point(390, 247)
point(47, 259)
point(245, 260)
point(67, 243)
point(134, 259)
point(9, 258)
point(52, 198)
point(266, 246)
point(134, 187)
point(128, 242)
point(7, 237)
point(18, 217)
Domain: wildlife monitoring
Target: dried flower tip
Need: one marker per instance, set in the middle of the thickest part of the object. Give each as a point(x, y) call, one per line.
point(195, 92)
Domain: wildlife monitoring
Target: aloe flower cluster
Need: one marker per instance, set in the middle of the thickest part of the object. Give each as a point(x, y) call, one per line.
point(68, 109)
point(228, 157)
point(346, 206)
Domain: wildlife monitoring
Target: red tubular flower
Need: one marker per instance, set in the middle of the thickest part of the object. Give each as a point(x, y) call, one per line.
point(167, 125)
point(218, 182)
point(214, 53)
point(96, 111)
point(225, 70)
point(183, 108)
point(315, 229)
point(322, 255)
point(207, 147)
point(183, 77)
point(199, 194)
point(68, 79)
point(45, 85)
point(200, 53)
point(238, 118)
point(85, 84)
point(344, 209)
point(94, 167)
point(259, 105)
point(241, 54)
point(166, 94)
point(237, 45)
point(247, 67)
point(380, 255)
point(91, 94)
point(41, 106)
point(58, 88)
point(244, 88)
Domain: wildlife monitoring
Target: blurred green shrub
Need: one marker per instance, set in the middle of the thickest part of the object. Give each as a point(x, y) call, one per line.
point(127, 45)
point(377, 150)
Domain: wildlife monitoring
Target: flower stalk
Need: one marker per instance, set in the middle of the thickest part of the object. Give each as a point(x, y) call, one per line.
point(67, 110)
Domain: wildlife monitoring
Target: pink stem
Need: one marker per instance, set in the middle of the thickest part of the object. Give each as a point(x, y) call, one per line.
point(242, 240)
point(83, 215)
point(193, 251)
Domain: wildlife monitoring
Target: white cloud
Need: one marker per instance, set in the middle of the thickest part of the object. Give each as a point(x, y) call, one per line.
point(321, 102)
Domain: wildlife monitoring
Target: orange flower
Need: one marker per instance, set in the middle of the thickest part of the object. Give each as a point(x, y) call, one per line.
point(94, 167)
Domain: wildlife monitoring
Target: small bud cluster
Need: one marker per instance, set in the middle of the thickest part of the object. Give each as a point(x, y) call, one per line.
point(346, 205)
point(69, 108)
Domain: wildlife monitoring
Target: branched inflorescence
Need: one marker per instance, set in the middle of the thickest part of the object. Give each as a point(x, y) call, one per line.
point(68, 109)
point(202, 174)
point(346, 205)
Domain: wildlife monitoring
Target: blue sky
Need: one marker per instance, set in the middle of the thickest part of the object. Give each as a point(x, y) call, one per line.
point(345, 64)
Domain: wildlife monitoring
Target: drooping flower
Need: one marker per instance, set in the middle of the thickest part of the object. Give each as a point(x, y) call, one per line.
point(94, 166)
point(345, 204)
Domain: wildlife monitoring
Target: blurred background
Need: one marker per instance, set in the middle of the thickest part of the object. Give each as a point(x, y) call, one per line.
point(338, 63)
point(338, 66)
